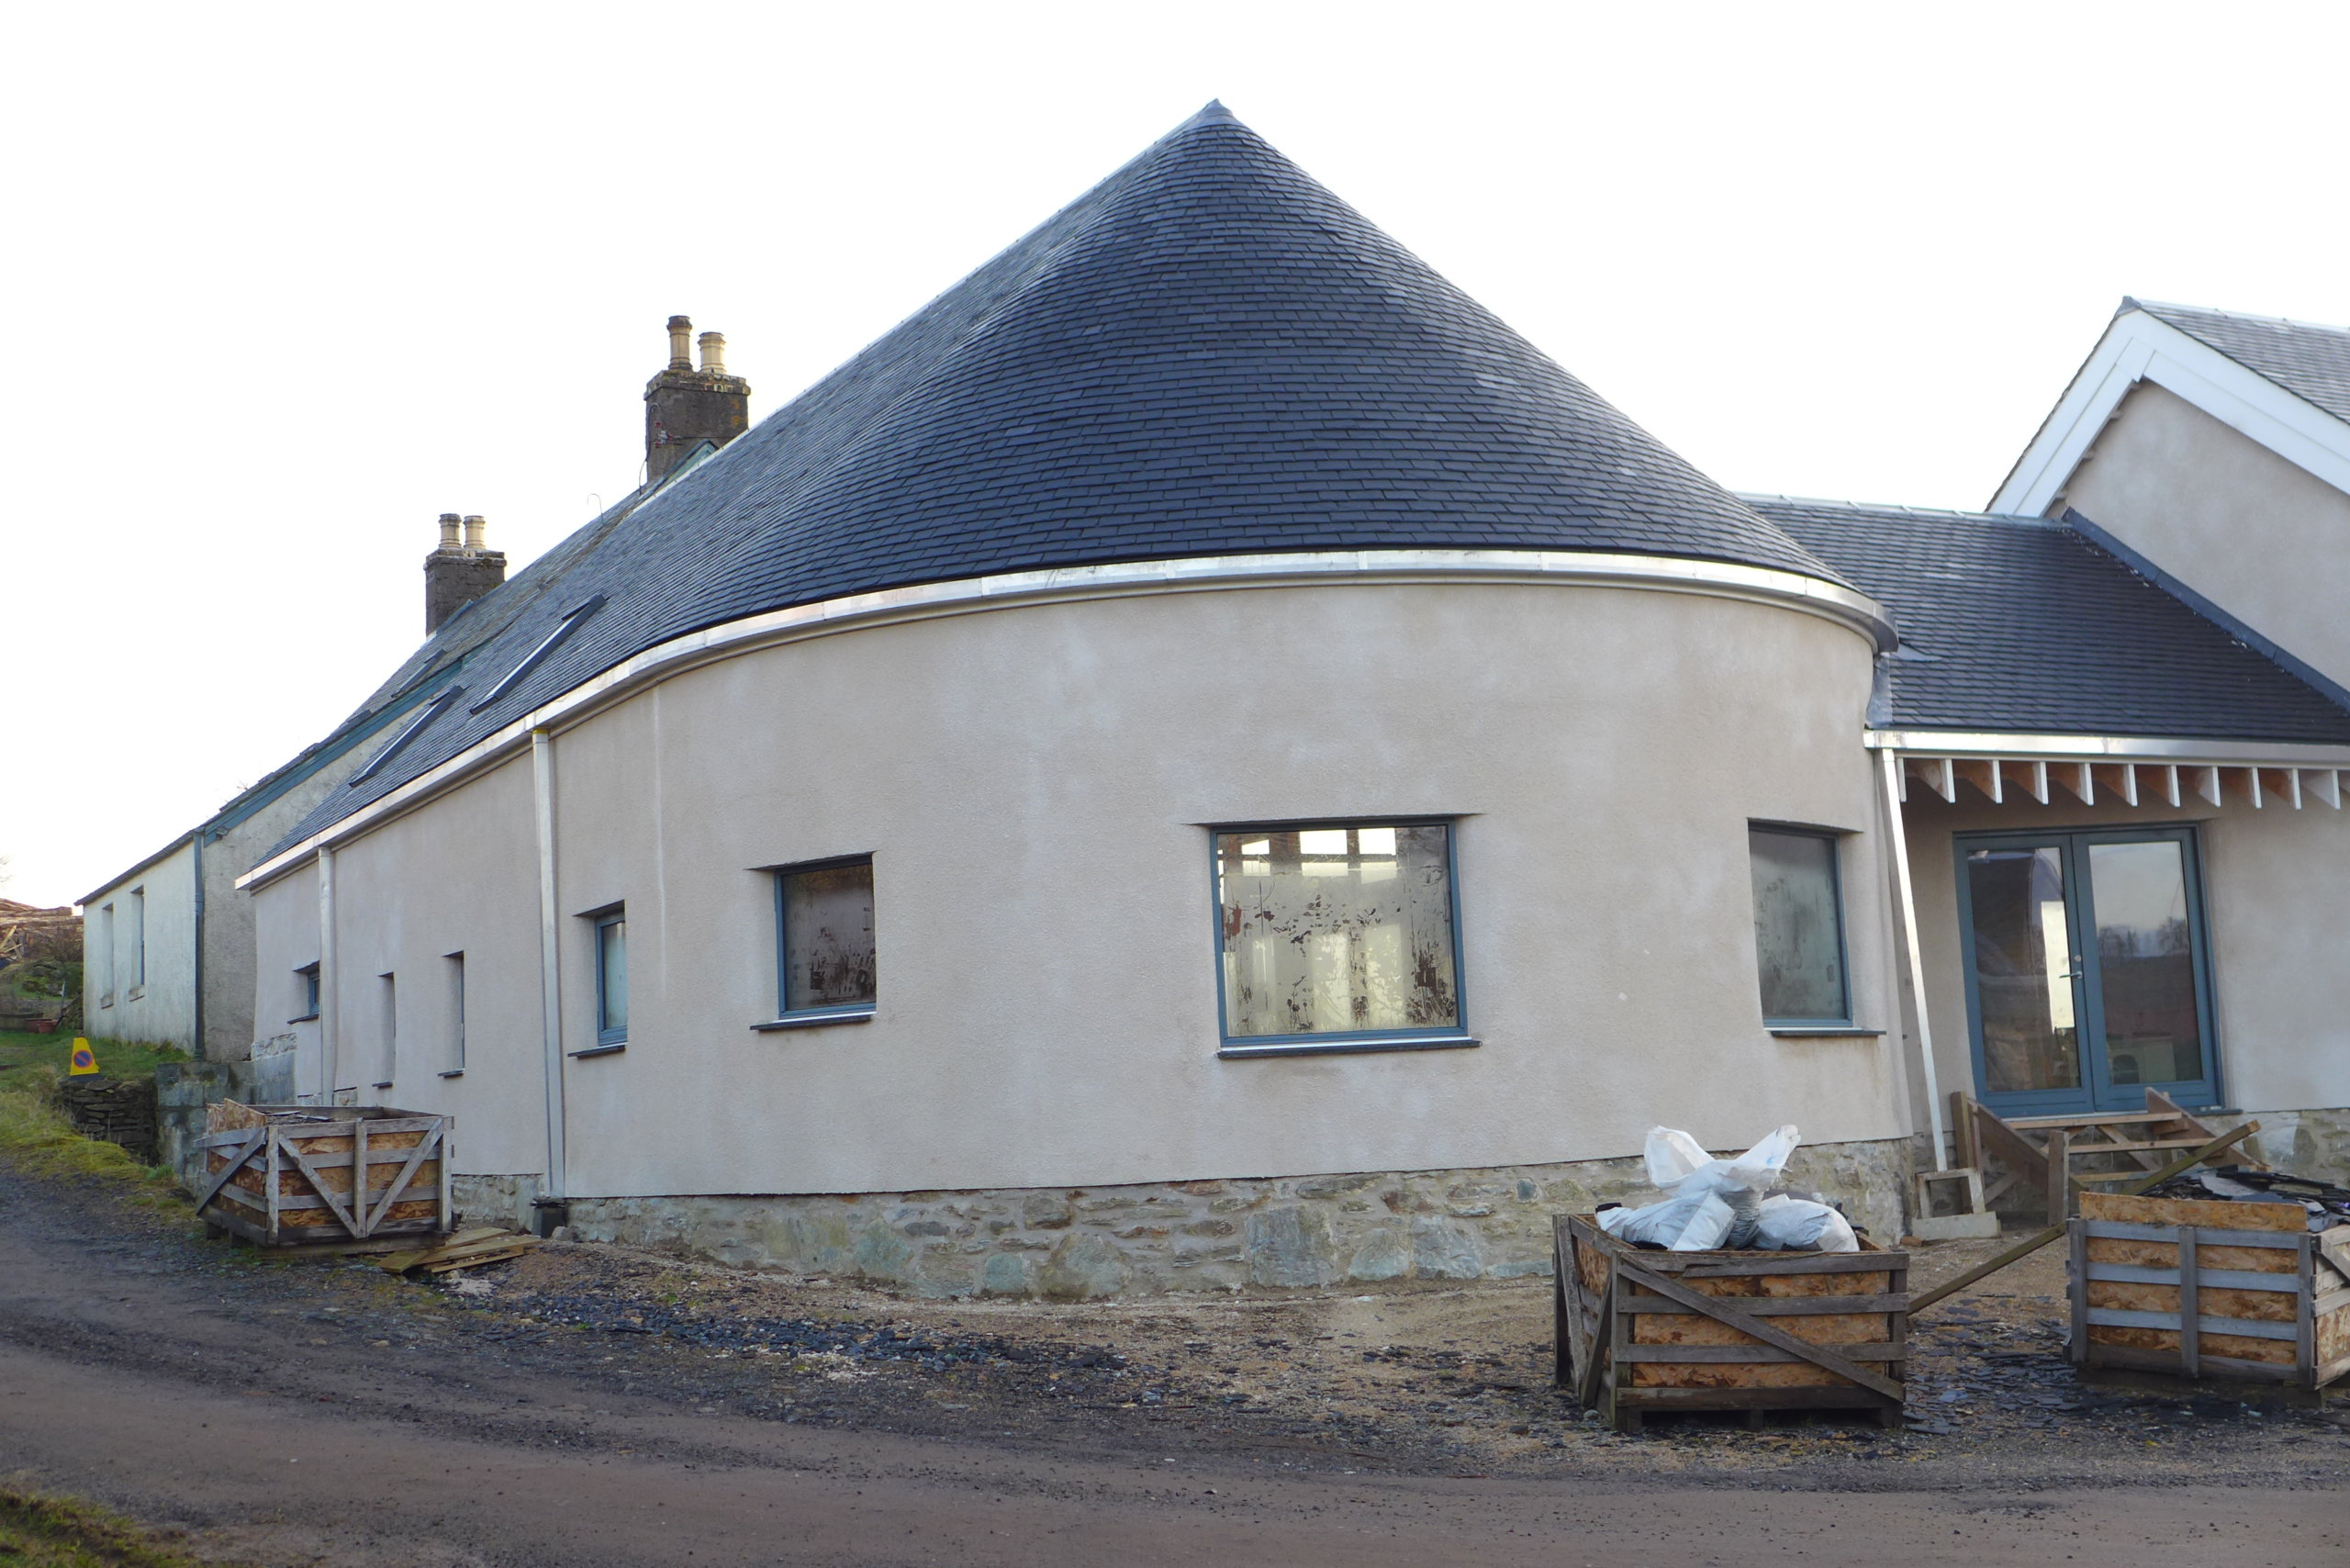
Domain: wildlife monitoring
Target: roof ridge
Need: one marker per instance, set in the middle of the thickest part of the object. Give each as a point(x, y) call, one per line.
point(2154, 306)
point(1762, 496)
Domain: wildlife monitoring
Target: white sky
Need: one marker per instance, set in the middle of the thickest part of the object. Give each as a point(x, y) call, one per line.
point(288, 282)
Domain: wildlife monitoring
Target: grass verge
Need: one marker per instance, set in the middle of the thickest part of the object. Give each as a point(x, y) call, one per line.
point(40, 1531)
point(35, 1135)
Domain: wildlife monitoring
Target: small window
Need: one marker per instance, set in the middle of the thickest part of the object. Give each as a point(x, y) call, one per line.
point(433, 711)
point(1338, 937)
point(391, 1027)
point(106, 956)
point(611, 978)
point(138, 937)
point(456, 1015)
point(824, 938)
point(306, 992)
point(1798, 927)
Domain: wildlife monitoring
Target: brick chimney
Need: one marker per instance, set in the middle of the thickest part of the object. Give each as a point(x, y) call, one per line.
point(460, 571)
point(685, 407)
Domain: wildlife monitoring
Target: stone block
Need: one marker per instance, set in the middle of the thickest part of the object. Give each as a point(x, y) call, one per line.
point(1387, 1255)
point(1005, 1273)
point(1084, 1267)
point(1046, 1211)
point(1290, 1245)
point(1444, 1250)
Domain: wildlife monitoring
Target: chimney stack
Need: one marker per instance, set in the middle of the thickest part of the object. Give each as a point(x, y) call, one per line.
point(685, 407)
point(457, 573)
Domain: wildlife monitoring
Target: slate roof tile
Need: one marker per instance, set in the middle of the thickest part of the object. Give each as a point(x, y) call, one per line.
point(2310, 360)
point(2017, 623)
point(1206, 355)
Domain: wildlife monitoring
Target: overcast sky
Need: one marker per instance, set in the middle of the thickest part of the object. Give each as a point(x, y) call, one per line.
point(286, 282)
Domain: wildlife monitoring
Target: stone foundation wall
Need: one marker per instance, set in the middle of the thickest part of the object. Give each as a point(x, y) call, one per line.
point(493, 1200)
point(2307, 1143)
point(1152, 1239)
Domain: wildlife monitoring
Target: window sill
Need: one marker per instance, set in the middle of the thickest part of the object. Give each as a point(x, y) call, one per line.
point(617, 1046)
point(454, 1072)
point(135, 994)
point(106, 1002)
point(386, 1084)
point(815, 1020)
point(1351, 1047)
point(1823, 1032)
point(305, 1018)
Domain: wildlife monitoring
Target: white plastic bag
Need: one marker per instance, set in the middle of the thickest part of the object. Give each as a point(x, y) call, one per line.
point(1799, 1225)
point(1712, 1203)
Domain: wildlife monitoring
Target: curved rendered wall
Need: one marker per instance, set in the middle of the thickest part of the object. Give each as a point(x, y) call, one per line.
point(1034, 784)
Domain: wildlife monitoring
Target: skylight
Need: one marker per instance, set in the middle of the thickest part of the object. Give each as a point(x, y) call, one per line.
point(433, 711)
point(573, 619)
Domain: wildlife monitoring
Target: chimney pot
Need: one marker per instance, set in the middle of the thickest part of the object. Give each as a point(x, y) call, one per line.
point(448, 531)
point(713, 354)
point(475, 527)
point(681, 331)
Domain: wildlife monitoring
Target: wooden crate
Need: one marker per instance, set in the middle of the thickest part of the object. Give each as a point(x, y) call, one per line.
point(2207, 1288)
point(1640, 1331)
point(305, 1175)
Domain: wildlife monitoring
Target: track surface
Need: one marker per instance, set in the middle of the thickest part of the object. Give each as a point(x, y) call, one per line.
point(135, 1371)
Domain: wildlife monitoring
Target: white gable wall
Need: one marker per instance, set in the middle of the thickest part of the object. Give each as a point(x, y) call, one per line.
point(2260, 537)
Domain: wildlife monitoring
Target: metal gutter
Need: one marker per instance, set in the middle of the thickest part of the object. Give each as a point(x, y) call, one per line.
point(2119, 748)
point(1832, 602)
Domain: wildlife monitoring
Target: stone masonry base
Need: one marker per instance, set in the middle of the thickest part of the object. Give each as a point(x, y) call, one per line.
point(1160, 1237)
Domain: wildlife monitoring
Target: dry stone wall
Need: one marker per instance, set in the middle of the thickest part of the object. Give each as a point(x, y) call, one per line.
point(1298, 1232)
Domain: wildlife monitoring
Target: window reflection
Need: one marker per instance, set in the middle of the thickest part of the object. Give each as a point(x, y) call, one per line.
point(1337, 930)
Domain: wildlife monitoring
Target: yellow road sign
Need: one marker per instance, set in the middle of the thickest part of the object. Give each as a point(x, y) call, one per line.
point(86, 1060)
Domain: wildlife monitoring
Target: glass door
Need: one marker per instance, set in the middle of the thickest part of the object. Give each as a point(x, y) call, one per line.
point(2087, 981)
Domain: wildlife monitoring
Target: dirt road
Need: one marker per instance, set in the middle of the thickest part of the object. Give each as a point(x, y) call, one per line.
point(304, 1415)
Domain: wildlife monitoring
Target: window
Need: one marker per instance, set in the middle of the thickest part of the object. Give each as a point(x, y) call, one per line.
point(456, 1016)
point(106, 956)
point(825, 949)
point(391, 1026)
point(433, 711)
point(138, 940)
point(1337, 937)
point(573, 619)
point(306, 990)
point(1798, 927)
point(611, 978)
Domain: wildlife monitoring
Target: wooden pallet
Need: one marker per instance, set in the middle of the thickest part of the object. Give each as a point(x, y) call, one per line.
point(2209, 1289)
point(1639, 1331)
point(323, 1176)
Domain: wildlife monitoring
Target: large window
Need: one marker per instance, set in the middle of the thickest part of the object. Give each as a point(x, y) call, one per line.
point(1798, 927)
point(825, 940)
point(1337, 937)
point(611, 978)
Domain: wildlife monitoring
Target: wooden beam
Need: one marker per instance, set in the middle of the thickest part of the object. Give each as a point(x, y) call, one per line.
point(2207, 783)
point(2165, 777)
point(1983, 772)
point(2324, 783)
point(2118, 779)
point(2033, 1243)
point(2079, 777)
point(2281, 783)
point(1937, 774)
point(2031, 777)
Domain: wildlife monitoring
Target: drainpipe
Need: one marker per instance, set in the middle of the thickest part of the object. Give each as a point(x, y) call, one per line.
point(1908, 898)
point(329, 1069)
point(196, 844)
point(550, 973)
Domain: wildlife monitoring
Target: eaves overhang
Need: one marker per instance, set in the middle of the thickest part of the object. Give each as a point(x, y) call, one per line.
point(2137, 346)
point(1831, 601)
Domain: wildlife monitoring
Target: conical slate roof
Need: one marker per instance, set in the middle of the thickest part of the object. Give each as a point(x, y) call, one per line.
point(1206, 355)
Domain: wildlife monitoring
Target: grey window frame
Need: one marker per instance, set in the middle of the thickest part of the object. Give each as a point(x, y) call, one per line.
point(786, 1016)
point(391, 994)
point(107, 955)
point(138, 941)
point(1834, 838)
point(308, 976)
point(607, 1038)
point(1241, 1047)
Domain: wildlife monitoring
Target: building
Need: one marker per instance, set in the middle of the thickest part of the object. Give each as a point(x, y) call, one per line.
point(1201, 757)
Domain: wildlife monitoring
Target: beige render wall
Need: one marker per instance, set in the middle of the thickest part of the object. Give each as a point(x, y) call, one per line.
point(2272, 885)
point(1035, 783)
point(229, 956)
point(285, 937)
point(2265, 541)
point(116, 1004)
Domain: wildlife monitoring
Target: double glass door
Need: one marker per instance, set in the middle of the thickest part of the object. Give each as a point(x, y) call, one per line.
point(2087, 976)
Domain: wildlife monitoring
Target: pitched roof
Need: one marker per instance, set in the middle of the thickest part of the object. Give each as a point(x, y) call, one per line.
point(2310, 360)
point(1206, 355)
point(2017, 623)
